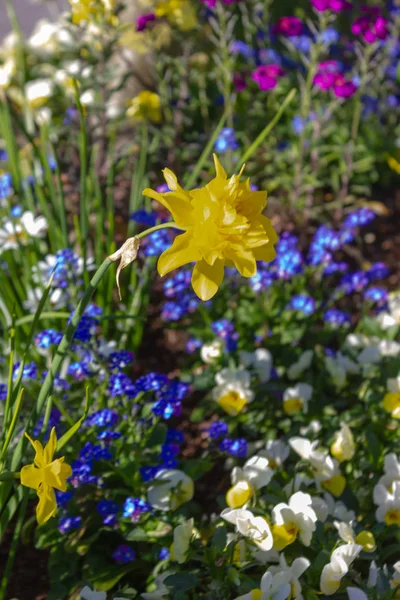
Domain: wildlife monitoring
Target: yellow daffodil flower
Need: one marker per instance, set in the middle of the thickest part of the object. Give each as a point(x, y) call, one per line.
point(45, 475)
point(224, 224)
point(146, 106)
point(391, 404)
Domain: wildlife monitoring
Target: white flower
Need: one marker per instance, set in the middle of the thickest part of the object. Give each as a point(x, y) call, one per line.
point(296, 518)
point(88, 594)
point(210, 353)
point(296, 398)
point(391, 318)
point(260, 360)
point(326, 469)
point(388, 502)
point(13, 234)
point(339, 366)
point(369, 356)
point(49, 37)
point(338, 510)
point(297, 368)
point(320, 508)
point(233, 391)
point(395, 581)
point(338, 567)
point(391, 468)
point(291, 574)
point(87, 98)
point(162, 590)
point(57, 299)
point(271, 588)
point(173, 488)
point(308, 451)
point(254, 528)
point(7, 70)
point(182, 536)
point(254, 475)
point(277, 452)
point(356, 594)
point(343, 448)
point(314, 426)
point(38, 92)
point(35, 227)
point(345, 531)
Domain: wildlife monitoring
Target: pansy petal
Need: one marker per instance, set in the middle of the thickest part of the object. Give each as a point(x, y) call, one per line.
point(207, 278)
point(180, 253)
point(31, 476)
point(47, 506)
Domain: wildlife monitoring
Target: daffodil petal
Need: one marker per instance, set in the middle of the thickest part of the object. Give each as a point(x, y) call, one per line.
point(31, 476)
point(265, 253)
point(180, 253)
point(243, 260)
point(47, 506)
point(219, 169)
point(56, 474)
point(50, 447)
point(206, 278)
point(178, 205)
point(39, 458)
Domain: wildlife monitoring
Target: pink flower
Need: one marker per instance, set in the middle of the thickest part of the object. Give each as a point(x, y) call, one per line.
point(325, 81)
point(141, 22)
point(289, 26)
point(239, 81)
point(328, 66)
point(333, 5)
point(371, 26)
point(266, 76)
point(343, 88)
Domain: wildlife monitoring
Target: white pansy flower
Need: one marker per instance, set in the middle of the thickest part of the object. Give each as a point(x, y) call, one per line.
point(326, 469)
point(343, 448)
point(172, 488)
point(88, 98)
point(88, 594)
point(12, 234)
point(333, 573)
point(161, 591)
point(297, 518)
point(308, 451)
point(233, 391)
point(296, 398)
point(365, 538)
point(356, 594)
point(182, 536)
point(338, 510)
point(320, 508)
point(388, 502)
point(272, 587)
point(260, 361)
point(292, 574)
point(254, 475)
point(391, 469)
point(49, 37)
point(38, 92)
point(210, 353)
point(297, 368)
point(277, 452)
point(339, 367)
point(254, 528)
point(395, 580)
point(314, 427)
point(392, 317)
point(7, 70)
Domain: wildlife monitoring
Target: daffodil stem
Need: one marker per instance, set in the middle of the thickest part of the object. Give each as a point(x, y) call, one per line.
point(168, 225)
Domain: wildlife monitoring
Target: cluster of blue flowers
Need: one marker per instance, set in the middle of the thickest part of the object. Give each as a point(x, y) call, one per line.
point(226, 141)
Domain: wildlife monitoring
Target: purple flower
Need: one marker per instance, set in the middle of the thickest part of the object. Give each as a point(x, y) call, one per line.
point(124, 554)
point(143, 20)
point(236, 447)
point(217, 430)
point(343, 88)
point(266, 76)
point(334, 316)
point(333, 5)
point(377, 295)
point(289, 26)
point(67, 524)
point(302, 303)
point(371, 26)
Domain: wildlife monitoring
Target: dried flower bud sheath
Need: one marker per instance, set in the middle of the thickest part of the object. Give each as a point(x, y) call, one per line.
point(126, 254)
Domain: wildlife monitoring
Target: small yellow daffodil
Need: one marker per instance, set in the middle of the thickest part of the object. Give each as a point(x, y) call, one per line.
point(45, 475)
point(224, 224)
point(146, 106)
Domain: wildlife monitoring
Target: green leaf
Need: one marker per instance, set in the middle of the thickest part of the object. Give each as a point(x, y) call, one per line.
point(72, 430)
point(158, 435)
point(218, 542)
point(181, 581)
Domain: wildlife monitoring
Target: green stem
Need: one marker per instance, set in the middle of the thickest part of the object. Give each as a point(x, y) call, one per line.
point(13, 549)
point(168, 225)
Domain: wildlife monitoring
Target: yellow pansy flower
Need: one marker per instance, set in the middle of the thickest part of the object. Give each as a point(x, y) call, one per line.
point(366, 539)
point(146, 106)
point(335, 485)
point(343, 448)
point(45, 475)
point(224, 224)
point(284, 535)
point(232, 402)
point(85, 10)
point(391, 404)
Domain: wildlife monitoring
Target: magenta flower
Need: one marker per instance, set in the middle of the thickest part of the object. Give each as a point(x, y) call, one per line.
point(325, 81)
point(239, 81)
point(333, 5)
point(143, 20)
point(371, 26)
point(289, 26)
point(343, 88)
point(267, 76)
point(328, 66)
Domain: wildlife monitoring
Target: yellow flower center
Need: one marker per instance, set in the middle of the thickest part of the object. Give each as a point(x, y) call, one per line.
point(239, 494)
point(284, 535)
point(392, 517)
point(232, 403)
point(391, 404)
point(335, 485)
point(256, 594)
point(292, 406)
point(367, 540)
point(181, 494)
